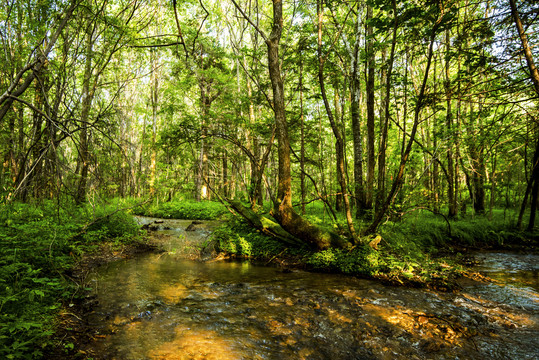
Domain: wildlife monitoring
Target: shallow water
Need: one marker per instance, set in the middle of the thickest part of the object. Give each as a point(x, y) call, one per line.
point(163, 306)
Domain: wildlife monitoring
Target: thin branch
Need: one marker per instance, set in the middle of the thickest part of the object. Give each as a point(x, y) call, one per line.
point(246, 17)
point(179, 29)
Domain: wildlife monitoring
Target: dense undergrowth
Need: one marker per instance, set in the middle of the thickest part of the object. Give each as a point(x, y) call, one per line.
point(38, 246)
point(179, 209)
point(420, 248)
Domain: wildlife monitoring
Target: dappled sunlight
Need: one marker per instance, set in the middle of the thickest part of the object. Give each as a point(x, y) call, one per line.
point(338, 318)
point(195, 344)
point(495, 312)
point(173, 293)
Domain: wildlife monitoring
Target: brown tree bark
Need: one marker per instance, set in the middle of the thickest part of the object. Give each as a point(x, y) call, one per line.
point(282, 210)
point(302, 138)
point(154, 98)
point(87, 98)
point(355, 94)
point(380, 195)
point(451, 194)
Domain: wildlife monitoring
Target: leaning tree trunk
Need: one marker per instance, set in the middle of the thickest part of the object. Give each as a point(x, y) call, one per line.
point(534, 75)
point(282, 205)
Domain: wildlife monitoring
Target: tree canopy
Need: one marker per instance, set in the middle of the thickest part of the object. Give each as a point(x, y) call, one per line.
point(372, 108)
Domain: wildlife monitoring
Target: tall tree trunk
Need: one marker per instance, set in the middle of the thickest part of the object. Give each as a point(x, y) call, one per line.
point(355, 93)
point(302, 138)
point(282, 207)
point(154, 102)
point(87, 97)
point(371, 159)
point(339, 142)
point(386, 78)
point(339, 153)
point(226, 185)
point(451, 195)
point(399, 177)
point(255, 188)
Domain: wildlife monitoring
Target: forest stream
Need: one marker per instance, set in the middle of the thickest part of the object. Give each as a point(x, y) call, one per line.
point(166, 306)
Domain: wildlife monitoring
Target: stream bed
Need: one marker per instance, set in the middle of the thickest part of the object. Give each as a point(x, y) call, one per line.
point(166, 306)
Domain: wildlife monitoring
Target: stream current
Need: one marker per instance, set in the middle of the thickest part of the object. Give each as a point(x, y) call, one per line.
point(165, 306)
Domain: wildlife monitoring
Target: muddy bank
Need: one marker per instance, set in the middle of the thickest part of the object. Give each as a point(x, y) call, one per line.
point(73, 332)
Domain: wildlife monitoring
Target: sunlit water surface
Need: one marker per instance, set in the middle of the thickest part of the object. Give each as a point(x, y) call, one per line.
point(163, 306)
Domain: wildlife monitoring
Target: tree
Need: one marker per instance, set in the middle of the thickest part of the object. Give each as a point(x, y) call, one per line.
point(533, 182)
point(282, 207)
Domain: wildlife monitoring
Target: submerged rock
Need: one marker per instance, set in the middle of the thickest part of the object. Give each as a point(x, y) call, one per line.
point(192, 226)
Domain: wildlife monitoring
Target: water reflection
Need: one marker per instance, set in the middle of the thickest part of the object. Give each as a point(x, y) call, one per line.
point(164, 307)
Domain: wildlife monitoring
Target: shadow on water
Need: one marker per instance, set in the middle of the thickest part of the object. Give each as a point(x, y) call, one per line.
point(162, 306)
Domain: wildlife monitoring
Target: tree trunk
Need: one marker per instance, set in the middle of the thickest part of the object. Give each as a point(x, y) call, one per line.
point(154, 102)
point(451, 194)
point(355, 92)
point(339, 142)
point(386, 78)
point(399, 177)
point(87, 97)
point(283, 211)
point(534, 76)
point(302, 138)
point(282, 205)
point(371, 159)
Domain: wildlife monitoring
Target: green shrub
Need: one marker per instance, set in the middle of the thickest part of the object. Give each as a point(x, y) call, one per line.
point(240, 238)
point(191, 210)
point(111, 224)
point(362, 260)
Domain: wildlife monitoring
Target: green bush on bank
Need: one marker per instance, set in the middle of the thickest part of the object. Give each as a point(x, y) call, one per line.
point(239, 238)
point(37, 245)
point(191, 210)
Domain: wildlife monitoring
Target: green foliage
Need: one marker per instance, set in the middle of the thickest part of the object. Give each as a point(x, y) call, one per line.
point(418, 250)
point(111, 224)
point(192, 210)
point(239, 238)
point(362, 260)
point(37, 246)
